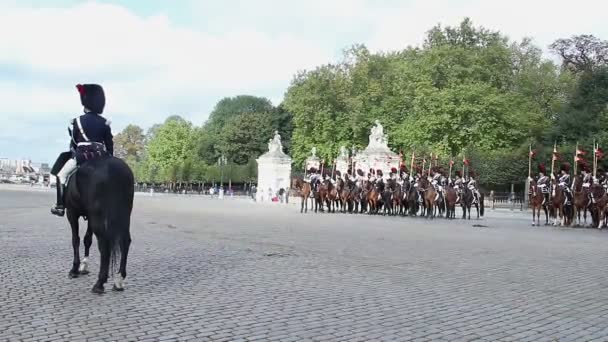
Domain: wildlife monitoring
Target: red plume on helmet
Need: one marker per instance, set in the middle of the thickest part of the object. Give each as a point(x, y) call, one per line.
point(542, 169)
point(394, 170)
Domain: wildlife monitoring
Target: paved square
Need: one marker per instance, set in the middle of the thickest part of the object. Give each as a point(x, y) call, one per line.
point(209, 270)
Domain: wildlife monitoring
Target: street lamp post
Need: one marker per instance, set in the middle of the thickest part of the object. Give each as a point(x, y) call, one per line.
point(221, 162)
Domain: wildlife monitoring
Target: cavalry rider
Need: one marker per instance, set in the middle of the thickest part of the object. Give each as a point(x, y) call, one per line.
point(458, 185)
point(435, 181)
point(91, 137)
point(371, 176)
point(472, 185)
point(403, 174)
point(359, 177)
point(393, 174)
point(587, 180)
point(542, 183)
point(564, 181)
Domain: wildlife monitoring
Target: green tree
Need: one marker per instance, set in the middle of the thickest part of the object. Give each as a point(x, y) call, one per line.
point(171, 145)
point(581, 53)
point(246, 136)
point(129, 143)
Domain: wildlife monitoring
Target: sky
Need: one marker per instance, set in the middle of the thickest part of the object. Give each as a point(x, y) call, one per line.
point(157, 58)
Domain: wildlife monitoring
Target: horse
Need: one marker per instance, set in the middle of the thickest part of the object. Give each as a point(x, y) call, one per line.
point(536, 199)
point(397, 199)
point(321, 196)
point(429, 195)
point(599, 209)
point(304, 189)
point(561, 210)
point(333, 196)
point(412, 200)
point(467, 202)
point(101, 191)
point(386, 195)
point(373, 193)
point(581, 200)
point(450, 202)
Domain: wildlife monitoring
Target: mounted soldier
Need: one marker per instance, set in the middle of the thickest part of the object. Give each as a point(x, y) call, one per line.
point(436, 182)
point(458, 185)
point(472, 185)
point(91, 138)
point(542, 183)
point(564, 181)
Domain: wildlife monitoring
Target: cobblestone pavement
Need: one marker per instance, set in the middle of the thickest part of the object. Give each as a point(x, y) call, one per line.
point(210, 270)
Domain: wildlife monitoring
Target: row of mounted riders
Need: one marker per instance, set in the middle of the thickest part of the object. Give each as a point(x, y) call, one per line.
point(398, 194)
point(564, 199)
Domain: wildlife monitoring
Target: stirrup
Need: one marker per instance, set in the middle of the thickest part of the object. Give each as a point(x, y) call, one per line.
point(59, 211)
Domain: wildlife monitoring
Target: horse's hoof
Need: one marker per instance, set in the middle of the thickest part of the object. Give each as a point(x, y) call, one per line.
point(73, 274)
point(97, 289)
point(533, 224)
point(117, 289)
point(84, 272)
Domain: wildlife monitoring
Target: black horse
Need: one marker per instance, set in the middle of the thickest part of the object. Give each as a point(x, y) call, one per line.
point(101, 191)
point(467, 202)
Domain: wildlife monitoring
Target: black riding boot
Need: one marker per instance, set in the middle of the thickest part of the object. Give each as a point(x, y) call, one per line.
point(58, 209)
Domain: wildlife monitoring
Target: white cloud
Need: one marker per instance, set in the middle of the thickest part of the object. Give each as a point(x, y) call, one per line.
point(142, 62)
point(151, 67)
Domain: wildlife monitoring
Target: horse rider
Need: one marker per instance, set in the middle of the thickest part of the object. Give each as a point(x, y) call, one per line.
point(371, 176)
point(564, 181)
point(458, 185)
point(359, 177)
point(472, 185)
point(91, 137)
point(435, 181)
point(587, 181)
point(542, 183)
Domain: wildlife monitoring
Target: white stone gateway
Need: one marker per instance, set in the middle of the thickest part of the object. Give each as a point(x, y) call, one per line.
point(377, 155)
point(313, 161)
point(274, 170)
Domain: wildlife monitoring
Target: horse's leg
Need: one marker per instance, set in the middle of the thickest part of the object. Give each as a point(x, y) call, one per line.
point(88, 240)
point(104, 265)
point(302, 205)
point(73, 219)
point(125, 242)
point(533, 215)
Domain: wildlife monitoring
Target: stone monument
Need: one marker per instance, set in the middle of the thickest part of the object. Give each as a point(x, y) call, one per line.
point(313, 161)
point(377, 155)
point(342, 162)
point(274, 170)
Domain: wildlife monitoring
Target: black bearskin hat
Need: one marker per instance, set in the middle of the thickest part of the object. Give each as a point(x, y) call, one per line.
point(379, 173)
point(338, 173)
point(585, 166)
point(360, 172)
point(371, 171)
point(471, 173)
point(542, 169)
point(459, 173)
point(312, 170)
point(565, 167)
point(403, 168)
point(92, 97)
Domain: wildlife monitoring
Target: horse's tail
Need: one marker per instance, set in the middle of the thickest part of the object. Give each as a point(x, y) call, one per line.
point(118, 228)
point(481, 205)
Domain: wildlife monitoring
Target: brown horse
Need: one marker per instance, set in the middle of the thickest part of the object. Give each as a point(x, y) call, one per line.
point(581, 200)
point(346, 196)
point(561, 210)
point(599, 209)
point(333, 197)
point(429, 197)
point(372, 198)
point(321, 196)
point(450, 202)
point(536, 199)
point(303, 189)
